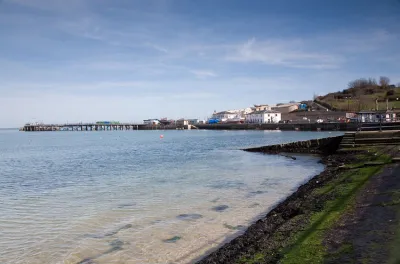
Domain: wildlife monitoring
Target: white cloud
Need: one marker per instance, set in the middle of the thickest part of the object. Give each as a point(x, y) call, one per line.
point(284, 52)
point(203, 74)
point(157, 47)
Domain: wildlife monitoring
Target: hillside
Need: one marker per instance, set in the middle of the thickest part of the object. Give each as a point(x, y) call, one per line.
point(363, 94)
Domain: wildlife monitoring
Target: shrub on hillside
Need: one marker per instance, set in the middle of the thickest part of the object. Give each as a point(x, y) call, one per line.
point(369, 91)
point(390, 93)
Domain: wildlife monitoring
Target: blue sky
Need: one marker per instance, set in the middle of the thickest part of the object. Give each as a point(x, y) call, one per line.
point(127, 60)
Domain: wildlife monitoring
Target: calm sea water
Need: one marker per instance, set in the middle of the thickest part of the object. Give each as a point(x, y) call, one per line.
point(132, 197)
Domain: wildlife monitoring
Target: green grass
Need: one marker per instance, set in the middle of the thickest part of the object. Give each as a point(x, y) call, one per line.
point(355, 105)
point(307, 245)
point(257, 258)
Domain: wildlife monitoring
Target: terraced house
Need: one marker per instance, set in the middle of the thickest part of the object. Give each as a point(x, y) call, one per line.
point(262, 117)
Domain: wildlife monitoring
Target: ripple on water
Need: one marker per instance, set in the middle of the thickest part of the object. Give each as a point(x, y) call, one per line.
point(230, 184)
point(189, 217)
point(172, 239)
point(220, 208)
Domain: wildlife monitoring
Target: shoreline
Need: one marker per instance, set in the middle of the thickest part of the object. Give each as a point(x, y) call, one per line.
point(258, 217)
point(245, 241)
point(280, 235)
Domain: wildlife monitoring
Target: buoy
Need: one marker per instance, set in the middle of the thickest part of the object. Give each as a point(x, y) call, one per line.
point(161, 136)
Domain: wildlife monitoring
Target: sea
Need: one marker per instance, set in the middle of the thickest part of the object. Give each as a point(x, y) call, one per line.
point(119, 197)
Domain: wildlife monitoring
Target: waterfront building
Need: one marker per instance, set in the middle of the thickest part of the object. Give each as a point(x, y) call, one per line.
point(224, 115)
point(194, 121)
point(151, 122)
point(231, 116)
point(262, 117)
point(182, 122)
point(376, 116)
point(166, 122)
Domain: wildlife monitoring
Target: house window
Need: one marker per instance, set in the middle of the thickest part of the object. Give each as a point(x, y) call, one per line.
point(276, 114)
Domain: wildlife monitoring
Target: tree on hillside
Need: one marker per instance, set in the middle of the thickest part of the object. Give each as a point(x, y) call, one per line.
point(384, 81)
point(362, 83)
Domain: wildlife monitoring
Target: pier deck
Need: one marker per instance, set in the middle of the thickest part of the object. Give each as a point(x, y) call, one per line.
point(82, 127)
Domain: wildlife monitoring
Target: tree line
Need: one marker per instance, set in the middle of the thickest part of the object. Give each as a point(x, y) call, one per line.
point(383, 82)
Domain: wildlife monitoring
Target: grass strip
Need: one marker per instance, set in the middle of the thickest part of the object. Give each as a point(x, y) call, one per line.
point(307, 245)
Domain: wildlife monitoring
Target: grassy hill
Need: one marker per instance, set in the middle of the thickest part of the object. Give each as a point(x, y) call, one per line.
point(362, 94)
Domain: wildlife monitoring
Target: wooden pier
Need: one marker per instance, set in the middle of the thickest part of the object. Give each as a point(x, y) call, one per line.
point(85, 127)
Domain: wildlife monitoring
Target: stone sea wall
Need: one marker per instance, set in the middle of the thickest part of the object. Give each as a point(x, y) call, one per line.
point(324, 146)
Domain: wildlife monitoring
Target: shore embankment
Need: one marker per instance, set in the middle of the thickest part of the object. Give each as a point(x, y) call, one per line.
point(305, 126)
point(349, 213)
point(322, 146)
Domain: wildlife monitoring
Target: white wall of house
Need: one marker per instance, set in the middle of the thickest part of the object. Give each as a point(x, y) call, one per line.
point(368, 117)
point(391, 117)
point(182, 122)
point(224, 115)
point(376, 117)
point(263, 117)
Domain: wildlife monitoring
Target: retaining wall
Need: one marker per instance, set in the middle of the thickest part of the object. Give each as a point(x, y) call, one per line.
point(324, 146)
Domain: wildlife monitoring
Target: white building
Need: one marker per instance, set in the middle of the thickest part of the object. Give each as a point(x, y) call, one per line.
point(262, 117)
point(182, 122)
point(194, 121)
point(224, 115)
point(376, 116)
point(151, 121)
point(229, 115)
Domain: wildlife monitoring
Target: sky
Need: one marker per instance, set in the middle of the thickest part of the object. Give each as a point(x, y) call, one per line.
point(129, 60)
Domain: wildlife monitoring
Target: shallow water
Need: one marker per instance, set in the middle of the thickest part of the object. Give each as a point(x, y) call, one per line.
point(132, 197)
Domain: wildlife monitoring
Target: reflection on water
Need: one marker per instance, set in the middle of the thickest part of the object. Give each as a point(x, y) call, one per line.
point(131, 197)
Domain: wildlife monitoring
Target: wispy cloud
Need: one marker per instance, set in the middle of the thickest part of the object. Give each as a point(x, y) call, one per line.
point(59, 6)
point(139, 52)
point(290, 53)
point(203, 74)
point(353, 43)
point(157, 47)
